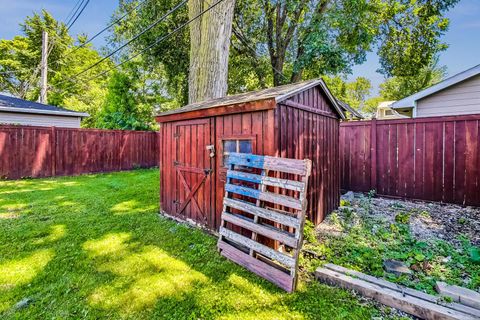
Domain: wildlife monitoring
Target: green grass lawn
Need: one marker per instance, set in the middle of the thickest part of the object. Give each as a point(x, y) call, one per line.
point(94, 247)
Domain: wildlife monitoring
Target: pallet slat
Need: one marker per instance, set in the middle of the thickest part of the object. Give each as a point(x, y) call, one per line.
point(266, 251)
point(263, 213)
point(268, 181)
point(265, 196)
point(270, 273)
point(292, 166)
point(264, 230)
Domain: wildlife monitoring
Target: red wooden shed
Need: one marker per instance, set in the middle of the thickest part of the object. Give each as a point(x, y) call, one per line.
point(299, 121)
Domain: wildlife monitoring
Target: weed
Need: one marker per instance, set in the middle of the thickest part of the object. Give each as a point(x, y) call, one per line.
point(402, 217)
point(425, 214)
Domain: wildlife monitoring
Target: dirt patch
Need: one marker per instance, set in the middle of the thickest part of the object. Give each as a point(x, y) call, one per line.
point(426, 220)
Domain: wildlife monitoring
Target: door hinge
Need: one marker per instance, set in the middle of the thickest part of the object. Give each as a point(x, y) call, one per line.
point(176, 163)
point(176, 135)
point(207, 171)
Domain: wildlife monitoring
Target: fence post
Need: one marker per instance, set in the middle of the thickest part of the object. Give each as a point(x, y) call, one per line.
point(53, 148)
point(373, 154)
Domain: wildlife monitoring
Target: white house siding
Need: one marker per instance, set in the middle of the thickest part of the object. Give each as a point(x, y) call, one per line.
point(462, 98)
point(39, 120)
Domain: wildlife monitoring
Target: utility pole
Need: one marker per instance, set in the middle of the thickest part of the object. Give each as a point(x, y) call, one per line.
point(44, 68)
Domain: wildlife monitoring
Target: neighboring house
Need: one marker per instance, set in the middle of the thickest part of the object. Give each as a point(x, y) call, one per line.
point(23, 112)
point(385, 112)
point(350, 113)
point(456, 95)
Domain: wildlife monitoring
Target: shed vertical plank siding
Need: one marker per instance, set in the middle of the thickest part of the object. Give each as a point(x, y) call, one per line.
point(257, 124)
point(27, 151)
point(435, 159)
point(303, 126)
point(303, 134)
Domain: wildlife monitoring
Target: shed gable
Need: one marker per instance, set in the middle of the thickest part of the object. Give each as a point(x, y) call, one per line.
point(259, 100)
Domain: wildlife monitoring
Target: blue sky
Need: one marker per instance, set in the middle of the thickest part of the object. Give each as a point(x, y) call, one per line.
point(463, 35)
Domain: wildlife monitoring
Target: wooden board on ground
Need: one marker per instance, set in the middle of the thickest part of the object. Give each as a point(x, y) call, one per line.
point(264, 214)
point(414, 302)
point(463, 295)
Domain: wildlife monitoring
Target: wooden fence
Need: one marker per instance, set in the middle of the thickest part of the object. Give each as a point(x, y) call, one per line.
point(27, 151)
point(434, 159)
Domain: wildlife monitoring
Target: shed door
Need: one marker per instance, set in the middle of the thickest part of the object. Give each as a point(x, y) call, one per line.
point(193, 171)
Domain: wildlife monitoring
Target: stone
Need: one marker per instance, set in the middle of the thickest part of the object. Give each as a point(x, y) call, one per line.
point(447, 259)
point(349, 196)
point(396, 267)
point(25, 302)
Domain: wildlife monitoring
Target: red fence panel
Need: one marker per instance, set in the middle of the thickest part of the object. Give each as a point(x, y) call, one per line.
point(435, 158)
point(27, 151)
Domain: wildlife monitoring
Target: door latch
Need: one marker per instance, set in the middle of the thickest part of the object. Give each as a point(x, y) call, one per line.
point(211, 148)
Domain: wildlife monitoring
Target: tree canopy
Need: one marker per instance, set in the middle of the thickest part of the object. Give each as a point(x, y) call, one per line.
point(354, 93)
point(397, 88)
point(20, 65)
point(123, 107)
point(272, 43)
point(275, 42)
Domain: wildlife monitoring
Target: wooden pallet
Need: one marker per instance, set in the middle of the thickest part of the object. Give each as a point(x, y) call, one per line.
point(264, 214)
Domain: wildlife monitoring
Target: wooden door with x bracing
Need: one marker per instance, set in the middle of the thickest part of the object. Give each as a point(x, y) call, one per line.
point(193, 171)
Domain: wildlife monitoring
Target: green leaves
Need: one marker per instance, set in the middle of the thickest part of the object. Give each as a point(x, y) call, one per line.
point(354, 93)
point(410, 34)
point(474, 253)
point(123, 108)
point(397, 88)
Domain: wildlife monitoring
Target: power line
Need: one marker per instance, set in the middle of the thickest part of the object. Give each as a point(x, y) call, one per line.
point(75, 12)
point(109, 26)
point(132, 39)
point(154, 43)
point(79, 14)
point(67, 18)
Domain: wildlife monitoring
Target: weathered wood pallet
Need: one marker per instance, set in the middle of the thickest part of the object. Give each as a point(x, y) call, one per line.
point(264, 214)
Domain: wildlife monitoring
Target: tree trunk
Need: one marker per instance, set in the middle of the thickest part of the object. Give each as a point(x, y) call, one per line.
point(209, 49)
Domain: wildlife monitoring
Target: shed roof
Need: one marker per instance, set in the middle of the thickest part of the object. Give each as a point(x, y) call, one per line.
point(459, 77)
point(12, 104)
point(346, 107)
point(280, 93)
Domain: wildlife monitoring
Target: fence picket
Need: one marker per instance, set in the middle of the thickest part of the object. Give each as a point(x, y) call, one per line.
point(433, 158)
point(54, 151)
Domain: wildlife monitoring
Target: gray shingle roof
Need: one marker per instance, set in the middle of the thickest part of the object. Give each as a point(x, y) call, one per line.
point(12, 104)
point(346, 107)
point(279, 93)
point(459, 77)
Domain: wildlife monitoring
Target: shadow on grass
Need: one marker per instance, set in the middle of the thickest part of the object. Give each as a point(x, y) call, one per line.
point(96, 248)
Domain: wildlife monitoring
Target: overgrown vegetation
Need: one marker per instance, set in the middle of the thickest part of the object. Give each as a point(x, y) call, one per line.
point(94, 247)
point(362, 242)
